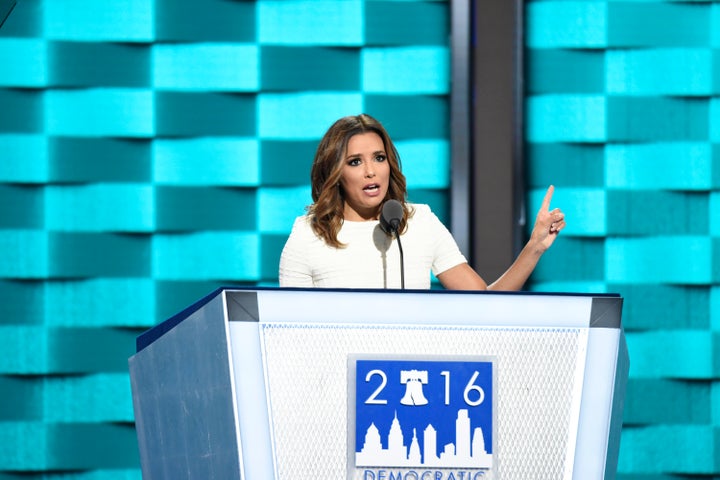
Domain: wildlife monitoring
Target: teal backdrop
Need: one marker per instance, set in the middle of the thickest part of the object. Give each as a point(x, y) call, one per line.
point(623, 115)
point(151, 151)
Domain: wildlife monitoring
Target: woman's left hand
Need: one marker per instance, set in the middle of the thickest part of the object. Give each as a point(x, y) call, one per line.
point(548, 223)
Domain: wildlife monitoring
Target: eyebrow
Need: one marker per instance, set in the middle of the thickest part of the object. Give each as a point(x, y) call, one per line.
point(377, 152)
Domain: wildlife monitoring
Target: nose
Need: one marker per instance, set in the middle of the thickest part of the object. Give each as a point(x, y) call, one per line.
point(369, 170)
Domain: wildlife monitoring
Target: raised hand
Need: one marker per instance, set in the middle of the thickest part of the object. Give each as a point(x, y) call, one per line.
point(548, 223)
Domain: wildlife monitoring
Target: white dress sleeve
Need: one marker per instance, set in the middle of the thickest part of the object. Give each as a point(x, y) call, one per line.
point(295, 270)
point(446, 253)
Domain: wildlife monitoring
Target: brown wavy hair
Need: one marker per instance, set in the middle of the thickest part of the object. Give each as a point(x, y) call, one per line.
point(326, 213)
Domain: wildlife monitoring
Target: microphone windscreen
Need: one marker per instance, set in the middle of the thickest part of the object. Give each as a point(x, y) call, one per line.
point(391, 216)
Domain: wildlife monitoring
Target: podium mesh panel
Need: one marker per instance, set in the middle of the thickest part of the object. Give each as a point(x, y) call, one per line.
point(539, 379)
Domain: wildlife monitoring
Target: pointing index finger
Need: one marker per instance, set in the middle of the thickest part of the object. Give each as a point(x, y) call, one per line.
point(548, 196)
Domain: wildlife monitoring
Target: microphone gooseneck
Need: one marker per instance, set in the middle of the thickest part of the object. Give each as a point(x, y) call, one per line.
point(390, 218)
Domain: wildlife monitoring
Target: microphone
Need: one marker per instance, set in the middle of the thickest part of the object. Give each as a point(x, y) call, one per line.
point(390, 218)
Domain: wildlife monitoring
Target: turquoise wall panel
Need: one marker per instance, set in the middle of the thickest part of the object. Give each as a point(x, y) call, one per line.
point(675, 165)
point(561, 24)
point(118, 112)
point(179, 208)
point(88, 64)
point(12, 407)
point(714, 214)
point(664, 24)
point(78, 160)
point(98, 208)
point(206, 256)
point(667, 401)
point(25, 254)
point(87, 446)
point(189, 114)
point(305, 115)
point(24, 158)
point(406, 23)
point(209, 21)
point(219, 67)
point(650, 118)
point(21, 207)
point(206, 161)
point(80, 254)
point(310, 68)
point(661, 307)
point(27, 108)
point(425, 163)
point(715, 117)
point(684, 72)
point(422, 70)
point(25, 350)
point(697, 447)
point(567, 164)
point(655, 356)
point(111, 20)
point(582, 260)
point(271, 245)
point(99, 302)
point(286, 162)
point(310, 22)
point(566, 71)
point(635, 260)
point(410, 116)
point(103, 397)
point(578, 286)
point(634, 212)
point(22, 302)
point(715, 320)
point(566, 118)
point(277, 208)
point(716, 68)
point(29, 59)
point(89, 350)
point(30, 438)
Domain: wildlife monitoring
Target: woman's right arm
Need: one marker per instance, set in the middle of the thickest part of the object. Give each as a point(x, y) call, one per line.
point(295, 271)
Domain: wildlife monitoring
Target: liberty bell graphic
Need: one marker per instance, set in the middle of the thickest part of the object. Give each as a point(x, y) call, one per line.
point(413, 381)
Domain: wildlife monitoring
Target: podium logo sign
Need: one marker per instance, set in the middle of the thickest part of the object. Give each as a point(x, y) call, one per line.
point(420, 418)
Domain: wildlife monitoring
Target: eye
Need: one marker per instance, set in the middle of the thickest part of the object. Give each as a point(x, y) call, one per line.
point(381, 157)
point(354, 162)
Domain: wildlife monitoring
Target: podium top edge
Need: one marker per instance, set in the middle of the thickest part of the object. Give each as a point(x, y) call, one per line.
point(605, 306)
point(411, 291)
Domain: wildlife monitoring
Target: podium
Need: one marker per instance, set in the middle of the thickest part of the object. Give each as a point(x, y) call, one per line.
point(267, 383)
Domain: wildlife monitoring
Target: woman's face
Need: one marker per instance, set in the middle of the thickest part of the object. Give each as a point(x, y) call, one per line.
point(365, 176)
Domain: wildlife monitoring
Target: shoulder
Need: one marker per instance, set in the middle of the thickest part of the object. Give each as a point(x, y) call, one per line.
point(420, 209)
point(423, 219)
point(421, 212)
point(302, 223)
point(302, 228)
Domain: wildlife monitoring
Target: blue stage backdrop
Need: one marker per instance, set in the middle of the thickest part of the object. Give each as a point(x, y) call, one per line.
point(151, 151)
point(623, 114)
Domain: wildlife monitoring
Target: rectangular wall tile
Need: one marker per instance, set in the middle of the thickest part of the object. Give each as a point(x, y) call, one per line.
point(310, 22)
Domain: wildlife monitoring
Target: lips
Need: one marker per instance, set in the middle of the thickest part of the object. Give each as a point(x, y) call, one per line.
point(372, 189)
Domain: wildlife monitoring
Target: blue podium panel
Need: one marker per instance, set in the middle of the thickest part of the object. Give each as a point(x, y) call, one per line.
point(375, 385)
